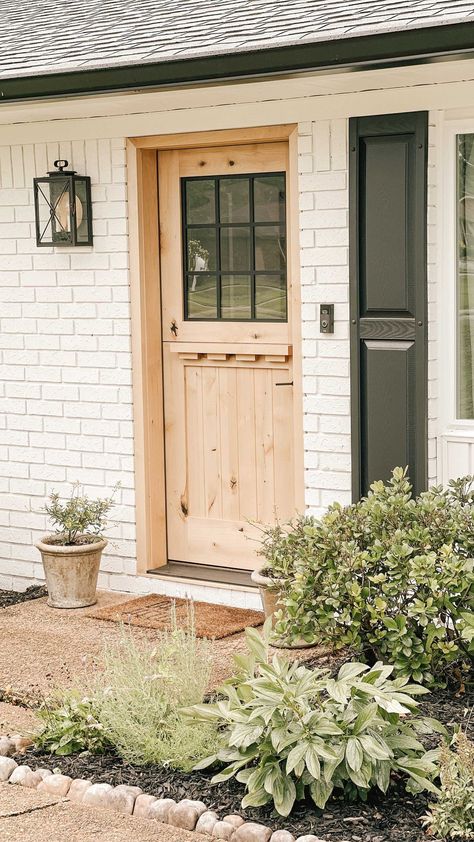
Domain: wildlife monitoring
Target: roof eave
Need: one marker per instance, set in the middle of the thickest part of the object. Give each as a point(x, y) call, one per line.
point(447, 41)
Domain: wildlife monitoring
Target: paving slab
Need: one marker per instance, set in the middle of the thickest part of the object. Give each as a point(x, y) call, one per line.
point(29, 816)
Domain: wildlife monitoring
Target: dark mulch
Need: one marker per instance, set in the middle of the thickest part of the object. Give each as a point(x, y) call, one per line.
point(8, 598)
point(391, 818)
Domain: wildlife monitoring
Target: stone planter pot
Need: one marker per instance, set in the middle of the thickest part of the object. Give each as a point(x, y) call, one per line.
point(71, 572)
point(270, 594)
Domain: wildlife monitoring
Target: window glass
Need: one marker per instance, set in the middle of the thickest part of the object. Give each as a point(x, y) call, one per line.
point(201, 201)
point(235, 247)
point(465, 277)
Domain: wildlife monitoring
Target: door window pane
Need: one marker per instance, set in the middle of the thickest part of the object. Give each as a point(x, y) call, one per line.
point(235, 247)
point(270, 251)
point(201, 296)
point(236, 297)
point(270, 297)
point(465, 278)
point(234, 200)
point(201, 249)
point(269, 198)
point(200, 201)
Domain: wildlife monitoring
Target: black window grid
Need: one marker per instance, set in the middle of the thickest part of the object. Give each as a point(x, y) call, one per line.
point(218, 226)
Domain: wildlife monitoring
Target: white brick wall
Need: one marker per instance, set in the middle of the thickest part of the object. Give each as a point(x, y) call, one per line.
point(324, 238)
point(65, 361)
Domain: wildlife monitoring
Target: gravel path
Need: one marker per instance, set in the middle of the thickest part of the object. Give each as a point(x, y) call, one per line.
point(17, 720)
point(43, 648)
point(27, 815)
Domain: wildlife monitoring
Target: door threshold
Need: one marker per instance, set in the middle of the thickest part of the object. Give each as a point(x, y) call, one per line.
point(204, 573)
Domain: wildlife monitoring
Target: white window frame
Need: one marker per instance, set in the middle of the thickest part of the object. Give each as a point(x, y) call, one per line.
point(446, 327)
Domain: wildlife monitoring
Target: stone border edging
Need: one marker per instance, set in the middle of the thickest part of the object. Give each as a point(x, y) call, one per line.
point(186, 814)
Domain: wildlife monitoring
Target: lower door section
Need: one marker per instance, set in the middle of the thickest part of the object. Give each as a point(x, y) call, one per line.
point(229, 453)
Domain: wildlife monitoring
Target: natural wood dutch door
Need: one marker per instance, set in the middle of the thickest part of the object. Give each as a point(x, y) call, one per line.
point(227, 349)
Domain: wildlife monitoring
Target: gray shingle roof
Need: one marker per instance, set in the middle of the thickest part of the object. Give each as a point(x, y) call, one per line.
point(50, 36)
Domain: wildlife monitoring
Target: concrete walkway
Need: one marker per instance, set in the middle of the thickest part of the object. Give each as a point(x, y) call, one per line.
point(30, 816)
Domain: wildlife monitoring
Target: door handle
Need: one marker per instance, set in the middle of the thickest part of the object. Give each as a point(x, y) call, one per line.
point(289, 383)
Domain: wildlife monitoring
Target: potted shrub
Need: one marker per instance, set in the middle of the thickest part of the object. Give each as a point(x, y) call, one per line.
point(71, 556)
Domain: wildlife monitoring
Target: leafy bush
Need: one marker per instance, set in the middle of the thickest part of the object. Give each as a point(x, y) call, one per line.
point(290, 730)
point(78, 516)
point(390, 576)
point(452, 817)
point(71, 725)
point(145, 687)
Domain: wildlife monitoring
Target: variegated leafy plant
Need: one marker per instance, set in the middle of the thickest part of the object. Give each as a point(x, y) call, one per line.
point(290, 730)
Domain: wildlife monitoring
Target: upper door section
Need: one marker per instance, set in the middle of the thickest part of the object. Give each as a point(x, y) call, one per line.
point(223, 242)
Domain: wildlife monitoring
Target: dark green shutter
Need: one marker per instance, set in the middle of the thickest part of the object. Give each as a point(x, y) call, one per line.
point(388, 172)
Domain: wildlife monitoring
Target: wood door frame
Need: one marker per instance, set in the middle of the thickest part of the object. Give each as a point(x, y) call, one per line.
point(145, 290)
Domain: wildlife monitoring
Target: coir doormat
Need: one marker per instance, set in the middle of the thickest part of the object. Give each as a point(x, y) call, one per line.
point(154, 612)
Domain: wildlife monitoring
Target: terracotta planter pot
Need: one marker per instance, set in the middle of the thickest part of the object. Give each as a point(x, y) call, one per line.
point(269, 594)
point(71, 572)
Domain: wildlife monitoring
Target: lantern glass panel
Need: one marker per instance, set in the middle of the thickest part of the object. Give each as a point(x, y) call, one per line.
point(60, 198)
point(53, 218)
point(82, 211)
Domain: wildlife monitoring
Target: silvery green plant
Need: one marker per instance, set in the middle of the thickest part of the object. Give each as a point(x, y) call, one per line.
point(290, 730)
point(78, 515)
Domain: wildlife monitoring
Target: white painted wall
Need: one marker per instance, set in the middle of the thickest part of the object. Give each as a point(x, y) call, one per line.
point(65, 364)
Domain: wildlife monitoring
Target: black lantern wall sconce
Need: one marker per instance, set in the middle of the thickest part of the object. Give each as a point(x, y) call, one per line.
point(63, 208)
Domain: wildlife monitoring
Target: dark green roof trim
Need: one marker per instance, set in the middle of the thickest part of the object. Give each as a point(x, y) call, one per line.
point(380, 50)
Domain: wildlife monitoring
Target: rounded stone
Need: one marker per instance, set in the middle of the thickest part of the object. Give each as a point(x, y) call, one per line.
point(197, 805)
point(32, 780)
point(184, 816)
point(309, 838)
point(206, 822)
point(252, 832)
point(78, 789)
point(97, 795)
point(160, 809)
point(132, 790)
point(223, 830)
point(7, 766)
point(19, 774)
point(121, 801)
point(7, 747)
point(56, 785)
point(234, 820)
point(45, 773)
point(142, 806)
point(282, 836)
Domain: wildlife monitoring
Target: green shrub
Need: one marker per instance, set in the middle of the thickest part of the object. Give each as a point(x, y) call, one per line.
point(145, 687)
point(71, 725)
point(78, 515)
point(290, 730)
point(391, 577)
point(452, 816)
